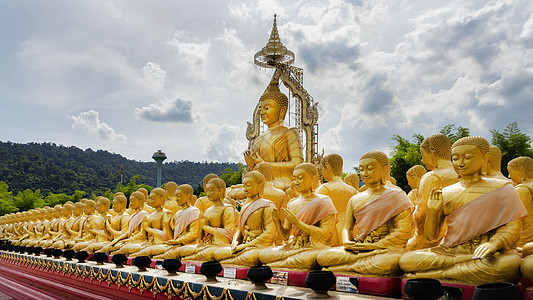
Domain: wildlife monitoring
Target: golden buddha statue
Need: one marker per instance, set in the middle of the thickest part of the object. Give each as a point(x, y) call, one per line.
point(435, 151)
point(277, 196)
point(32, 220)
point(352, 180)
point(170, 199)
point(54, 229)
point(86, 236)
point(46, 234)
point(339, 192)
point(60, 240)
point(203, 203)
point(256, 229)
point(37, 228)
point(217, 225)
point(157, 225)
point(97, 226)
point(132, 239)
point(477, 246)
point(308, 227)
point(521, 173)
point(377, 226)
point(494, 164)
point(414, 175)
point(109, 227)
point(146, 207)
point(280, 146)
point(185, 225)
point(74, 227)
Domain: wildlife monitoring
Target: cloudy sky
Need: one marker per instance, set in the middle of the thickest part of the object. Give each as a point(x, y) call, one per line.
point(132, 76)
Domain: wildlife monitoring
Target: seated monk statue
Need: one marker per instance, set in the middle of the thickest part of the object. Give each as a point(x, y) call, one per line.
point(308, 227)
point(280, 146)
point(217, 225)
point(73, 227)
point(494, 165)
point(37, 227)
point(45, 229)
point(170, 198)
point(339, 192)
point(435, 151)
point(203, 203)
point(521, 173)
point(271, 193)
point(146, 207)
point(33, 219)
point(86, 236)
point(23, 227)
point(377, 226)
point(352, 179)
point(484, 217)
point(60, 240)
point(414, 175)
point(130, 240)
point(98, 225)
point(114, 226)
point(256, 229)
point(157, 225)
point(54, 229)
point(184, 224)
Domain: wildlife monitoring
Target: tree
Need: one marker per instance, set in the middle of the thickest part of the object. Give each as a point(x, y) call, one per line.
point(512, 142)
point(403, 156)
point(6, 200)
point(28, 199)
point(232, 177)
point(460, 132)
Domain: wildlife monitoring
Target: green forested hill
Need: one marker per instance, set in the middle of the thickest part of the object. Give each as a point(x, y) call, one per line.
point(59, 169)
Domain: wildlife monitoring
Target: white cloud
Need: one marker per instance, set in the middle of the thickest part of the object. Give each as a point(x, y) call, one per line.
point(169, 110)
point(154, 76)
point(222, 143)
point(89, 122)
point(193, 55)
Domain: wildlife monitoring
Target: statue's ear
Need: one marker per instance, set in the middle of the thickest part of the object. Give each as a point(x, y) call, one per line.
point(282, 112)
point(485, 167)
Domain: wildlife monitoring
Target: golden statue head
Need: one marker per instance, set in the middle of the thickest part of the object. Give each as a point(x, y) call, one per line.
point(254, 183)
point(520, 169)
point(171, 187)
point(414, 174)
point(273, 103)
point(433, 148)
point(495, 159)
point(184, 193)
point(137, 200)
point(207, 178)
point(312, 171)
point(215, 189)
point(352, 179)
point(374, 168)
point(264, 168)
point(331, 165)
point(119, 203)
point(470, 156)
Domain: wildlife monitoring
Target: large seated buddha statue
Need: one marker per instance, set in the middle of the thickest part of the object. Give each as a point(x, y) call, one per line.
point(255, 230)
point(280, 146)
point(436, 154)
point(308, 227)
point(484, 218)
point(377, 226)
point(339, 192)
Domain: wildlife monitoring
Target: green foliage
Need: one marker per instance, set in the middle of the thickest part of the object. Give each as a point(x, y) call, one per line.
point(28, 199)
point(403, 156)
point(232, 177)
point(460, 132)
point(64, 170)
point(6, 200)
point(512, 142)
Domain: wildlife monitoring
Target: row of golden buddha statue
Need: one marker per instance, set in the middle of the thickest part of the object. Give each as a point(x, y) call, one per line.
point(462, 221)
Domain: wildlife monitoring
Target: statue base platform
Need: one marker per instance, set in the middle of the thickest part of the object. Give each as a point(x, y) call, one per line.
point(25, 276)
